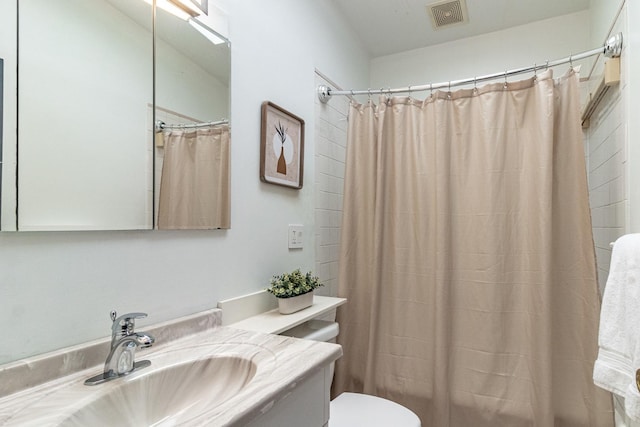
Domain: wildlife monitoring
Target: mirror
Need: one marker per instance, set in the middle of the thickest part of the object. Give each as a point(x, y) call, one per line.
point(193, 63)
point(84, 88)
point(85, 116)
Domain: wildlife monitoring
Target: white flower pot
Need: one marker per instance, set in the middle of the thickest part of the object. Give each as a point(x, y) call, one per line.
point(293, 304)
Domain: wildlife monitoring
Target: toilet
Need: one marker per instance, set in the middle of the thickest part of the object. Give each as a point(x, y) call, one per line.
point(355, 409)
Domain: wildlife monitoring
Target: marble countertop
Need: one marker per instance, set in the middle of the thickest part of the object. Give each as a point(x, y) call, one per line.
point(280, 364)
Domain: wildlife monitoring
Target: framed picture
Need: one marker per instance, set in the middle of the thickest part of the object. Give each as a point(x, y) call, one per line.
point(281, 147)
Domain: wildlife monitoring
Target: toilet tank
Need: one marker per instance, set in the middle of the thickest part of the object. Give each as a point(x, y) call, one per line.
point(315, 330)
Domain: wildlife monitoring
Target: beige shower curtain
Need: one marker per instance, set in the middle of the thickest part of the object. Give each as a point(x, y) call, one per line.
point(194, 188)
point(467, 258)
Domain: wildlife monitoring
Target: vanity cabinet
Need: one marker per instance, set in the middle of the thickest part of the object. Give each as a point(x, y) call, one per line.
point(307, 404)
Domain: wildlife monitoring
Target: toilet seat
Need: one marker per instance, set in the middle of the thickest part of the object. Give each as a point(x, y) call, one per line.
point(360, 410)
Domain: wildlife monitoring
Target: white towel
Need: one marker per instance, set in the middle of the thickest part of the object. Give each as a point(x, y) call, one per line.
point(619, 335)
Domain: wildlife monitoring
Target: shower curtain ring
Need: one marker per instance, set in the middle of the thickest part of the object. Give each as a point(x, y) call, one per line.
point(505, 79)
point(571, 61)
point(547, 66)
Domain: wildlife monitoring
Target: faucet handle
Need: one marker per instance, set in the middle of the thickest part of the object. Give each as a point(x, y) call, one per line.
point(124, 324)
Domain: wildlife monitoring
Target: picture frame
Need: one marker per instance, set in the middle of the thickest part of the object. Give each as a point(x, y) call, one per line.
point(281, 147)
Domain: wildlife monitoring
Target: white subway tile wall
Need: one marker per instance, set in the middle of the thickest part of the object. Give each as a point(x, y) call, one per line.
point(331, 143)
point(605, 147)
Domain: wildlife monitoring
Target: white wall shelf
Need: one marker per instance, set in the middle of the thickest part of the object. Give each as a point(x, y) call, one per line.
point(272, 322)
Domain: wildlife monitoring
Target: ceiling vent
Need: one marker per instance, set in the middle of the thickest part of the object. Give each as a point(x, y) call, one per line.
point(447, 13)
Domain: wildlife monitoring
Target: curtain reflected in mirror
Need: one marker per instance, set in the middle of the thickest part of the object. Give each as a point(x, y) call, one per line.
point(194, 189)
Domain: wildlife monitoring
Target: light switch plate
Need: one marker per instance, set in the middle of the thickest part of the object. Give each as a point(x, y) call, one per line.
point(295, 236)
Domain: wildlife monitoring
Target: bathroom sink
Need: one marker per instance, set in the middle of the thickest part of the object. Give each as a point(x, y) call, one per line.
point(167, 396)
point(222, 377)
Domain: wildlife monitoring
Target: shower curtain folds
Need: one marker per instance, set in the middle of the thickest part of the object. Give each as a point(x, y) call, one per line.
point(467, 258)
point(194, 187)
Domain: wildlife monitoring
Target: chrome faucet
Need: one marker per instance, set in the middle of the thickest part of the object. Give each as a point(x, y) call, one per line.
point(124, 341)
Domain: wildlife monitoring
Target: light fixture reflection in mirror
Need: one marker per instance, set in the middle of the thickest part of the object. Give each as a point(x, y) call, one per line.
point(209, 33)
point(176, 8)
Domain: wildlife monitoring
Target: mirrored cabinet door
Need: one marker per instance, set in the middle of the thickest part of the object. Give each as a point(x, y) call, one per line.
point(85, 87)
point(192, 153)
point(81, 149)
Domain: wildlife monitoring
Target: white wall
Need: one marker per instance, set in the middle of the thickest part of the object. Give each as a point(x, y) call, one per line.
point(331, 143)
point(56, 289)
point(515, 47)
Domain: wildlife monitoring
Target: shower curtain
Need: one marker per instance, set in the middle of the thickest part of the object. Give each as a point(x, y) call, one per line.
point(467, 258)
point(194, 188)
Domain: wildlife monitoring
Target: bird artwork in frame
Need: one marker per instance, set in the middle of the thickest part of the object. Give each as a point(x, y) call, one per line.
point(281, 147)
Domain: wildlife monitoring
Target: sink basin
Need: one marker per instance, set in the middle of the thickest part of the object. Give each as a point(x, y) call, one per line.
point(167, 396)
point(221, 377)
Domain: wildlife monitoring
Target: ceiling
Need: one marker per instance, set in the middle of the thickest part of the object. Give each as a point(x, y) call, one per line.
point(391, 26)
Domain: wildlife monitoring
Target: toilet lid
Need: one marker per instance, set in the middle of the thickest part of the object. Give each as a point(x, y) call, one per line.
point(355, 410)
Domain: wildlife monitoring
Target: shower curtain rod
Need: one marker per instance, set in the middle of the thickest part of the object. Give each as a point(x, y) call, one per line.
point(611, 49)
point(160, 125)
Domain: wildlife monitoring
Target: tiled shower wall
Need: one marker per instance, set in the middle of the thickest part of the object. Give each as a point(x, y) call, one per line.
point(605, 147)
point(331, 142)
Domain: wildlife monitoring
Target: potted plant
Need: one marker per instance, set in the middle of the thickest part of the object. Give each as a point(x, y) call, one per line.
point(294, 290)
